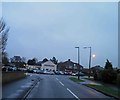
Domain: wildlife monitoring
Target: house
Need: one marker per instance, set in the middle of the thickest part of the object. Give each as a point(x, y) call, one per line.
point(69, 66)
point(48, 65)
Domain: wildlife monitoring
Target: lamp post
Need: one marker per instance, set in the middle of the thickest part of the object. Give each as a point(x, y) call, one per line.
point(78, 63)
point(89, 60)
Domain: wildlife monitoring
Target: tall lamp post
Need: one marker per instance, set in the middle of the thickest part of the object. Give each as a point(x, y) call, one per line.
point(78, 63)
point(89, 60)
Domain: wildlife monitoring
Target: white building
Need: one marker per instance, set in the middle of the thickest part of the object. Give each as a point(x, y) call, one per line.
point(48, 65)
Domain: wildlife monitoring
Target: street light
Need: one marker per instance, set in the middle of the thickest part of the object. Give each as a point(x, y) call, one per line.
point(93, 55)
point(89, 60)
point(78, 63)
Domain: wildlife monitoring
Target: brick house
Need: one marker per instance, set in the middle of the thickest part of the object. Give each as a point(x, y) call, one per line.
point(69, 66)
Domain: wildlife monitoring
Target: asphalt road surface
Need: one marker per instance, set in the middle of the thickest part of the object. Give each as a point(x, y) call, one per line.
point(59, 86)
point(54, 86)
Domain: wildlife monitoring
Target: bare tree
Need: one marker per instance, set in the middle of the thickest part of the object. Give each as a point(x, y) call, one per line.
point(3, 40)
point(3, 35)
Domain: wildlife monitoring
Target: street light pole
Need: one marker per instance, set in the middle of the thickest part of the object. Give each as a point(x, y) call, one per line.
point(78, 63)
point(89, 60)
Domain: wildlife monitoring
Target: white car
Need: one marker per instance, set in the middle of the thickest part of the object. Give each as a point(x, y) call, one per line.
point(49, 72)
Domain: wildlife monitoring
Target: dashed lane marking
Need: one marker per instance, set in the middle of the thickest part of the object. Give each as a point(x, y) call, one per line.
point(56, 78)
point(73, 94)
point(61, 83)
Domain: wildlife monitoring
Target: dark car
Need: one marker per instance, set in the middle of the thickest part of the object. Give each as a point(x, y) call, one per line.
point(80, 74)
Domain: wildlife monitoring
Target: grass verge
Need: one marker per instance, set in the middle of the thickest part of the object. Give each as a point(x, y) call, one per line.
point(105, 89)
point(76, 80)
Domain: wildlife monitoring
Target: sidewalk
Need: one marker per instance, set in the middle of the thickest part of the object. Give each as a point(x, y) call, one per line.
point(18, 89)
point(103, 85)
point(87, 81)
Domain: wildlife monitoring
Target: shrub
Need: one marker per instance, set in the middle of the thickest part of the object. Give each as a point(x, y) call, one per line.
point(100, 75)
point(95, 76)
point(118, 79)
point(109, 75)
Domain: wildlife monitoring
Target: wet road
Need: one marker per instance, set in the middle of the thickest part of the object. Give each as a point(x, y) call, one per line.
point(59, 86)
point(52, 86)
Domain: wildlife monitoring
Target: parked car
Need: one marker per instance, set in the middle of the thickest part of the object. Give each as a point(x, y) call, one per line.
point(57, 72)
point(61, 73)
point(48, 72)
point(74, 74)
point(8, 68)
point(68, 73)
point(40, 71)
point(30, 71)
point(34, 71)
point(81, 74)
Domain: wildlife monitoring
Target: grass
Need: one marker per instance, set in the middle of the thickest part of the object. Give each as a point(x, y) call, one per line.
point(76, 80)
point(105, 89)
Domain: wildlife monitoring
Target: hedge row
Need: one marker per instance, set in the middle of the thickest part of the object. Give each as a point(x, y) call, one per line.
point(11, 76)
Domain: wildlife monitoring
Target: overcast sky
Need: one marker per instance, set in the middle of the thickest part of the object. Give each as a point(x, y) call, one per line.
point(54, 29)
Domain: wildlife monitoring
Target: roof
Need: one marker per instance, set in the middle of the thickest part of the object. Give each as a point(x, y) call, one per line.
point(68, 62)
point(49, 63)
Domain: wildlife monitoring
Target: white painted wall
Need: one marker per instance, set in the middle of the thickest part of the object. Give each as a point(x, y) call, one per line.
point(49, 65)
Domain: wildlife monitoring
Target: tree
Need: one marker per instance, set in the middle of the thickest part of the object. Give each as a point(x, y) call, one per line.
point(29, 62)
point(5, 59)
point(18, 61)
point(32, 62)
point(44, 60)
point(54, 60)
point(3, 41)
point(3, 35)
point(108, 65)
point(108, 74)
point(35, 61)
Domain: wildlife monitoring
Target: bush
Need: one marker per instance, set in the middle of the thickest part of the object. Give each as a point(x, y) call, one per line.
point(109, 75)
point(95, 76)
point(118, 79)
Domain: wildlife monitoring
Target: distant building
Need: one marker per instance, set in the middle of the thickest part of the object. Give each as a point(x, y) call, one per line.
point(69, 66)
point(48, 65)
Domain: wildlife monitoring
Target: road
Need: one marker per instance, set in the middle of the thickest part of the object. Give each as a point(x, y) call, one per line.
point(59, 86)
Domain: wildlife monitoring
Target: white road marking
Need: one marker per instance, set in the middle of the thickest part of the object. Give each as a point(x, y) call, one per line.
point(56, 78)
point(61, 83)
point(73, 94)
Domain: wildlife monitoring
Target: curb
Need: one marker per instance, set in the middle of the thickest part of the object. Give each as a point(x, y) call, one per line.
point(24, 97)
